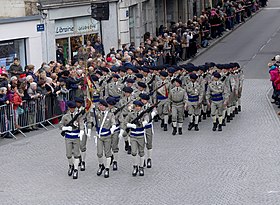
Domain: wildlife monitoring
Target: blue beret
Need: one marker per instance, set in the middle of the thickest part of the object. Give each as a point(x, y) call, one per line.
point(71, 104)
point(111, 101)
point(163, 73)
point(145, 69)
point(193, 76)
point(94, 78)
point(144, 96)
point(104, 69)
point(130, 80)
point(123, 69)
point(127, 90)
point(114, 69)
point(178, 80)
point(103, 102)
point(142, 84)
point(217, 75)
point(98, 72)
point(116, 76)
point(139, 75)
point(79, 100)
point(171, 70)
point(138, 103)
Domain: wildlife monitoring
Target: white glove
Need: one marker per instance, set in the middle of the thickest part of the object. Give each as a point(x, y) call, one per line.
point(121, 133)
point(133, 126)
point(89, 133)
point(81, 134)
point(144, 123)
point(113, 128)
point(67, 128)
point(153, 114)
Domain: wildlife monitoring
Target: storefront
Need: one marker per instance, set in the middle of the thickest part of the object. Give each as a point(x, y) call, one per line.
point(20, 39)
point(72, 34)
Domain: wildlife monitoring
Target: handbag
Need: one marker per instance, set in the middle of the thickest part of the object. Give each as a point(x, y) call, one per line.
point(20, 111)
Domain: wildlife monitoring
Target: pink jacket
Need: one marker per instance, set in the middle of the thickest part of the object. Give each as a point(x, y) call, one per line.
point(273, 74)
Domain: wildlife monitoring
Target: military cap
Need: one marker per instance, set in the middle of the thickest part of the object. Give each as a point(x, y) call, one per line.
point(217, 75)
point(171, 70)
point(144, 96)
point(94, 78)
point(79, 100)
point(103, 102)
point(145, 69)
point(111, 101)
point(178, 80)
point(127, 90)
point(98, 72)
point(130, 80)
point(139, 75)
point(104, 69)
point(115, 69)
point(71, 104)
point(138, 103)
point(116, 76)
point(163, 73)
point(123, 69)
point(193, 76)
point(142, 84)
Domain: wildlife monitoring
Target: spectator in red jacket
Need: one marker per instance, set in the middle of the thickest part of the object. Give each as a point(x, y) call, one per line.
point(17, 101)
point(277, 88)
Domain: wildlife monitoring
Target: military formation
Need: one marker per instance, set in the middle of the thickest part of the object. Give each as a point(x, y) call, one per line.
point(125, 102)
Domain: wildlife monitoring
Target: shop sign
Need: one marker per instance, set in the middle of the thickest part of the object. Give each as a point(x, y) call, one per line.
point(76, 26)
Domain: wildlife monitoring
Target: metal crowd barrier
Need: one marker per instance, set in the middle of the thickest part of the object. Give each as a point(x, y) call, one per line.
point(6, 120)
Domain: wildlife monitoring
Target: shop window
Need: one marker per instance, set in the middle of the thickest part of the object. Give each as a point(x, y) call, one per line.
point(64, 44)
point(12, 49)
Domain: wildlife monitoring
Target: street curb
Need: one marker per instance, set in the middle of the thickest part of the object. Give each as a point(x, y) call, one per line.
point(215, 42)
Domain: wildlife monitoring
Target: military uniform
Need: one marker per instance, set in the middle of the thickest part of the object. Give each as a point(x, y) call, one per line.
point(194, 99)
point(72, 139)
point(114, 89)
point(177, 97)
point(217, 95)
point(106, 125)
point(137, 138)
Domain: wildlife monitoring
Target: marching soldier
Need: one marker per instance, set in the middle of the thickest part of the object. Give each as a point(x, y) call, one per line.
point(137, 137)
point(105, 126)
point(114, 88)
point(217, 97)
point(162, 96)
point(115, 136)
point(127, 101)
point(149, 129)
point(74, 133)
point(177, 99)
point(194, 100)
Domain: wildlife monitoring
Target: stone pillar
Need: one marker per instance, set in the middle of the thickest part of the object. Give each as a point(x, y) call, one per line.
point(138, 24)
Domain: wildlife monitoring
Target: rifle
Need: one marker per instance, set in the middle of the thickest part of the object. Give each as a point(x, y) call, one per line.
point(122, 107)
point(136, 120)
point(152, 92)
point(73, 120)
point(109, 80)
point(124, 79)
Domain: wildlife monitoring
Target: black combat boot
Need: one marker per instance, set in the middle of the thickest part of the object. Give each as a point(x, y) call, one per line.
point(80, 161)
point(214, 126)
point(75, 174)
point(141, 171)
point(231, 116)
point(100, 170)
point(156, 118)
point(135, 171)
point(191, 125)
point(129, 150)
point(228, 119)
point(162, 124)
point(224, 122)
point(126, 145)
point(165, 127)
point(169, 119)
point(199, 118)
point(186, 113)
point(149, 163)
point(174, 131)
point(106, 173)
point(208, 113)
point(239, 108)
point(115, 166)
point(70, 170)
point(196, 127)
point(236, 111)
point(204, 116)
point(180, 131)
point(220, 128)
point(83, 166)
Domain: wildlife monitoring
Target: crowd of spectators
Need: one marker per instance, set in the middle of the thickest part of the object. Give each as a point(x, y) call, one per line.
point(63, 79)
